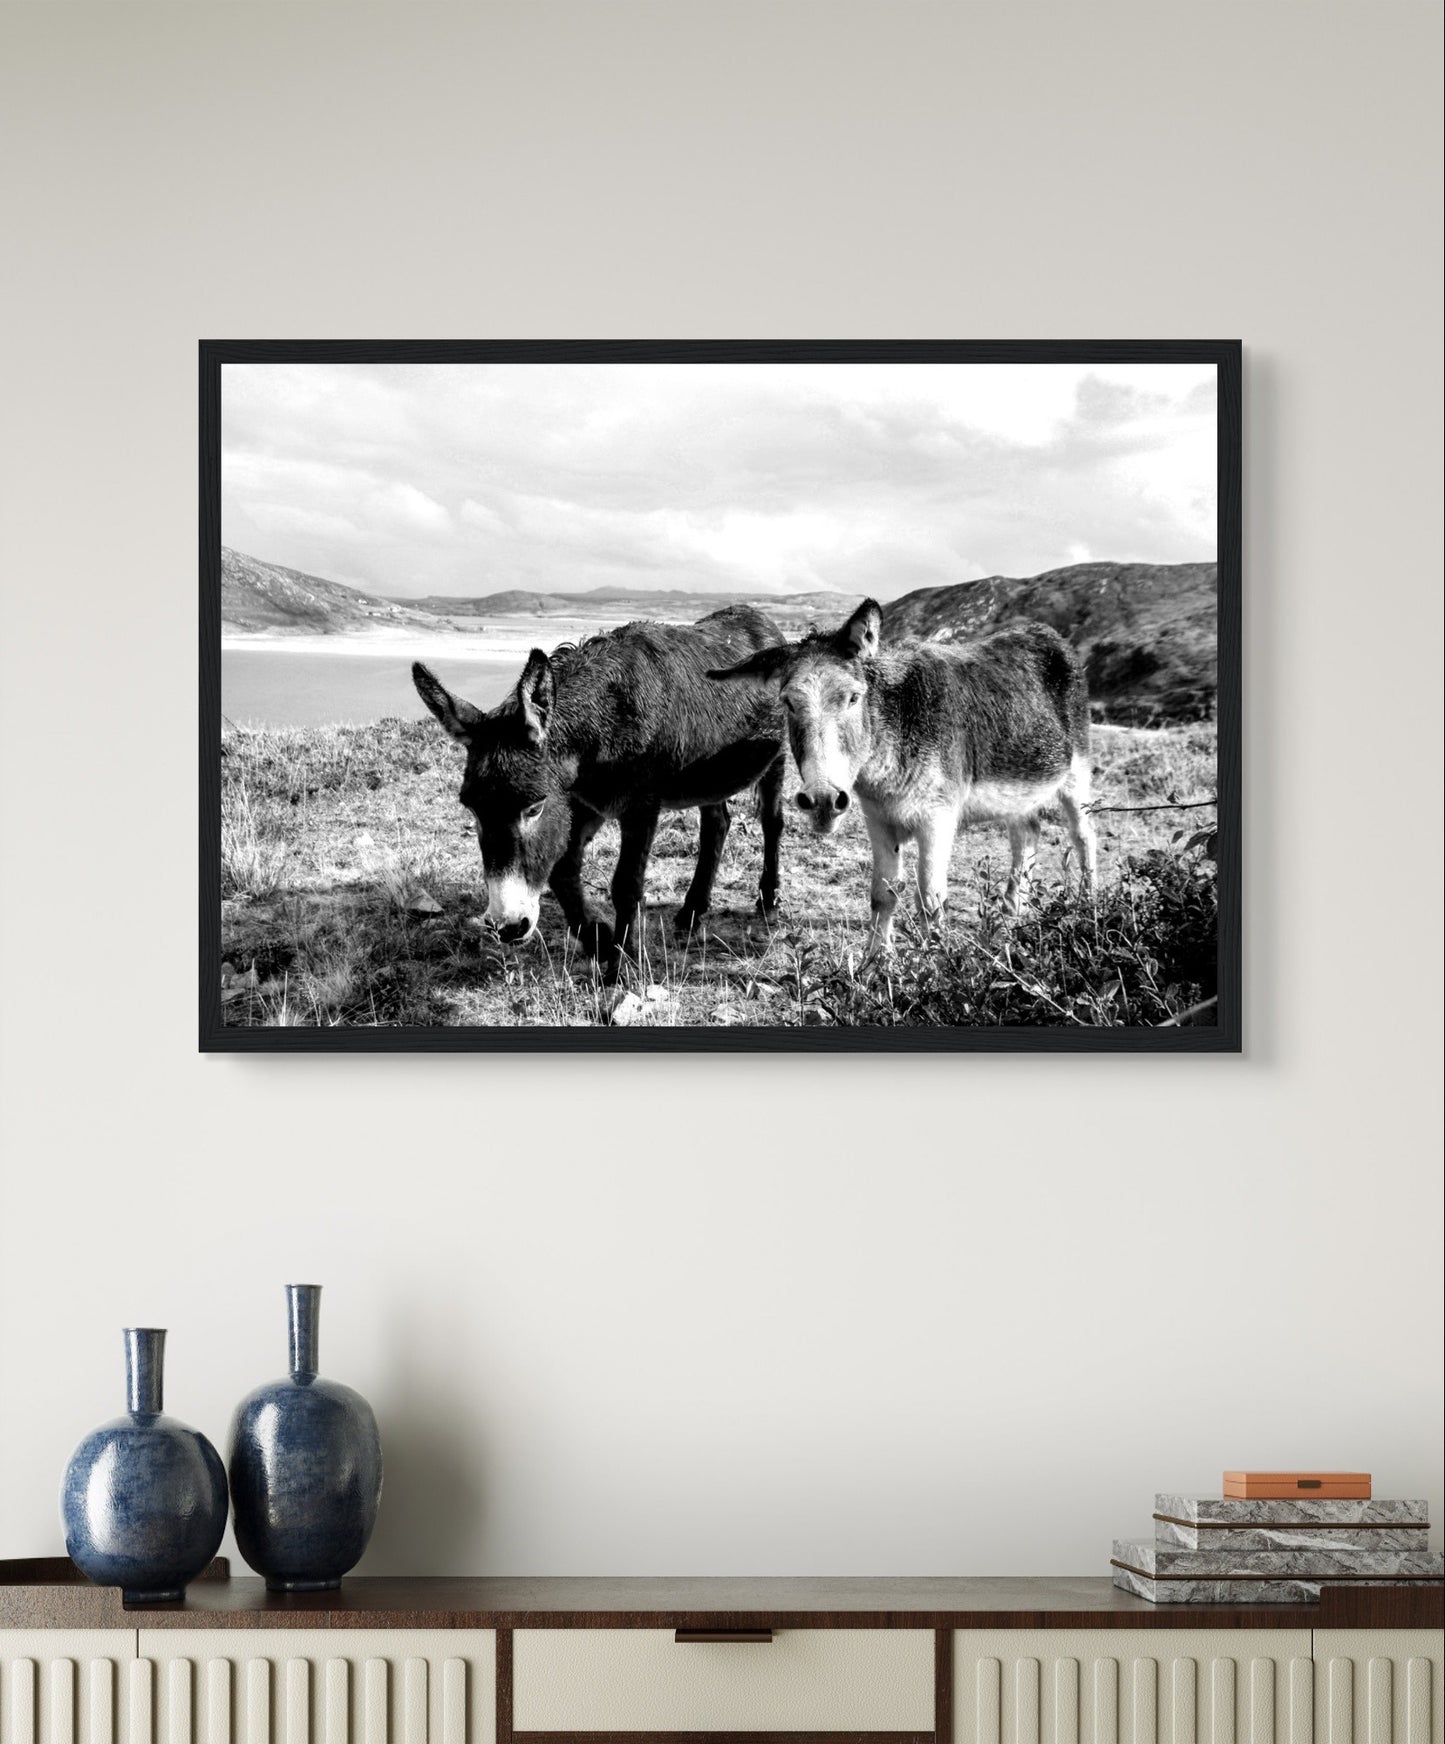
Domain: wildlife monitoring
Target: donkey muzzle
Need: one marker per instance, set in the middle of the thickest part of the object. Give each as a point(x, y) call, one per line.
point(511, 908)
point(513, 932)
point(824, 807)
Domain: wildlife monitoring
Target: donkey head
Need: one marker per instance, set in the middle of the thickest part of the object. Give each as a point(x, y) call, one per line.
point(823, 683)
point(515, 785)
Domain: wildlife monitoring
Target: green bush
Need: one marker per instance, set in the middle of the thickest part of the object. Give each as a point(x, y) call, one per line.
point(1141, 953)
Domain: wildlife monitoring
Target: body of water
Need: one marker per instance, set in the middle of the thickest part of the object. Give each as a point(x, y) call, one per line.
point(268, 687)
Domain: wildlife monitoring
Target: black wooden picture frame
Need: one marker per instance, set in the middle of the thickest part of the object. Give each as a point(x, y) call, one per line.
point(1216, 1032)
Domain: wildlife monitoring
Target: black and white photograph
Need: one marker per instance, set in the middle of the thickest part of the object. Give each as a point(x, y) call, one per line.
point(734, 696)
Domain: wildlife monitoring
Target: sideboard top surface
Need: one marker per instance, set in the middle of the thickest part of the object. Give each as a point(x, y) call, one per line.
point(48, 1593)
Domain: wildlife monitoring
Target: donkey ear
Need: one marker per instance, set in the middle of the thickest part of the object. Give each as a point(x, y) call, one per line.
point(455, 714)
point(765, 667)
point(860, 635)
point(537, 693)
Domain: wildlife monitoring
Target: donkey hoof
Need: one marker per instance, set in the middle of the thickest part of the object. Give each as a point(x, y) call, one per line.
point(595, 938)
point(771, 912)
point(688, 921)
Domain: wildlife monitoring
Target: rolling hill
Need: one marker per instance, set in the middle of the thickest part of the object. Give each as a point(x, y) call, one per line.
point(256, 595)
point(1147, 631)
point(265, 596)
point(511, 602)
point(678, 605)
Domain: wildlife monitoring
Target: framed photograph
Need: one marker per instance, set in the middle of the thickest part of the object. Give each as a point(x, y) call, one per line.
point(720, 695)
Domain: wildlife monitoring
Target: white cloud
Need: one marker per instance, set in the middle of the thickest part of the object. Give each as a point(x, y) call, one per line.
point(403, 505)
point(481, 516)
point(867, 477)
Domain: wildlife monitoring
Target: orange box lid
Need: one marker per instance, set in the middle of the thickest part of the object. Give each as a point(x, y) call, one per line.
point(1276, 1484)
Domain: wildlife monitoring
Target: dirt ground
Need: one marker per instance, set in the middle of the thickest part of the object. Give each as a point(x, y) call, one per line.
point(352, 888)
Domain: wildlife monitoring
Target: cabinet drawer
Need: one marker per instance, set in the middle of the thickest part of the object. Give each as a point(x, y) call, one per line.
point(68, 1686)
point(322, 1686)
point(1132, 1686)
point(1378, 1686)
point(572, 1681)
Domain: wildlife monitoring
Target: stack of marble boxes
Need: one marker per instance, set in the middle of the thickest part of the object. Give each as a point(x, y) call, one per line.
point(1212, 1551)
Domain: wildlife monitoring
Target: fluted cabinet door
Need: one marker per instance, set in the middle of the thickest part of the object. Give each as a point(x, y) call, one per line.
point(1378, 1686)
point(327, 1686)
point(1132, 1686)
point(62, 1686)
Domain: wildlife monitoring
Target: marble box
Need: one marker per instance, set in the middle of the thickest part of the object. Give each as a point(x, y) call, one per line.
point(1240, 1538)
point(1164, 1562)
point(1217, 1592)
point(1216, 1511)
point(1208, 1523)
point(1166, 1574)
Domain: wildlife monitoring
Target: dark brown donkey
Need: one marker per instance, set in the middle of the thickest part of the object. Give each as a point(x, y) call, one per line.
point(624, 726)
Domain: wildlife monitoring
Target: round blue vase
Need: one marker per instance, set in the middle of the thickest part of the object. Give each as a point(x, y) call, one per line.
point(305, 1465)
point(144, 1497)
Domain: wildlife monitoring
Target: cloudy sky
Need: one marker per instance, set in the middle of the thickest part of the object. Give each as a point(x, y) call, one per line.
point(867, 478)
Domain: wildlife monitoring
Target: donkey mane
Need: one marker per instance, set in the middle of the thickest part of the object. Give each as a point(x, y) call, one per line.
point(989, 690)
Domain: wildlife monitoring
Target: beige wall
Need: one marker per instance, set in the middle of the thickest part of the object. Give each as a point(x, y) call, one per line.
point(777, 1314)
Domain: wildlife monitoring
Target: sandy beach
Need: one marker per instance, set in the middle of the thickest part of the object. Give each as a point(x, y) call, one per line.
point(516, 636)
point(281, 678)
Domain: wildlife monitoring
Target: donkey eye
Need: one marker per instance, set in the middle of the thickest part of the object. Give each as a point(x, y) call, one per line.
point(533, 812)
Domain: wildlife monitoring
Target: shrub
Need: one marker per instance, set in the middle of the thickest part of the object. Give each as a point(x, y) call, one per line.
point(251, 858)
point(1142, 952)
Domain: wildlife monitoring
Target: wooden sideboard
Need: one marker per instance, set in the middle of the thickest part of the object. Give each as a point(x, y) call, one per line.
point(663, 1661)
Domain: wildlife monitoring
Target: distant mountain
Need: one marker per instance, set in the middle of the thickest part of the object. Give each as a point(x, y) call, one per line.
point(640, 602)
point(264, 596)
point(256, 595)
point(1148, 631)
point(511, 603)
point(817, 599)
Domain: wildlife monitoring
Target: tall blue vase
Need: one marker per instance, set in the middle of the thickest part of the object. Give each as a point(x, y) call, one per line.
point(144, 1497)
point(305, 1465)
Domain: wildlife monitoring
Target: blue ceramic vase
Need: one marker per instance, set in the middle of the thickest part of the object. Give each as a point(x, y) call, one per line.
point(144, 1497)
point(305, 1467)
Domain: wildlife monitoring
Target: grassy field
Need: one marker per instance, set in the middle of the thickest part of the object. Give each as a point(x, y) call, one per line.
point(352, 894)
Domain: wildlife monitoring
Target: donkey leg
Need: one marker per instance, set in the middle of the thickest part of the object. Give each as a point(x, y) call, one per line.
point(935, 845)
point(770, 814)
point(1074, 803)
point(1023, 841)
point(639, 826)
point(714, 823)
point(566, 883)
point(883, 892)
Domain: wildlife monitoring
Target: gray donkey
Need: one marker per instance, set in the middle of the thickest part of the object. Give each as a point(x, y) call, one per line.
point(626, 726)
point(931, 737)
